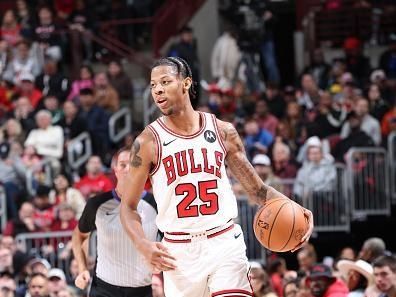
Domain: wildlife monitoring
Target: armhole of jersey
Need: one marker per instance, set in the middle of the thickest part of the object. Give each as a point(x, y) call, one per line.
point(159, 153)
point(218, 134)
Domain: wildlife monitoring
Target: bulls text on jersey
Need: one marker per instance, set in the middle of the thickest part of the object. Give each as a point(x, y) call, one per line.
point(183, 163)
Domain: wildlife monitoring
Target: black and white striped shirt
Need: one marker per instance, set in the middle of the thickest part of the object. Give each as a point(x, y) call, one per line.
point(118, 262)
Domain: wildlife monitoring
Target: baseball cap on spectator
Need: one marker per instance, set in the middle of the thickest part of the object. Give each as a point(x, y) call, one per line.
point(346, 77)
point(41, 261)
point(352, 43)
point(360, 266)
point(56, 273)
point(377, 75)
point(319, 271)
point(27, 76)
point(255, 264)
point(261, 159)
point(314, 141)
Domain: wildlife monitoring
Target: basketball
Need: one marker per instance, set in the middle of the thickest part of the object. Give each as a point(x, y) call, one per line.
point(280, 224)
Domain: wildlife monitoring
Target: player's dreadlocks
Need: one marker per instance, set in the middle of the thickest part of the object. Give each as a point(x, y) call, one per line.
point(182, 68)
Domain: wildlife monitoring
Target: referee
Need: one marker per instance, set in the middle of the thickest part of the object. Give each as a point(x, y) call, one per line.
point(120, 270)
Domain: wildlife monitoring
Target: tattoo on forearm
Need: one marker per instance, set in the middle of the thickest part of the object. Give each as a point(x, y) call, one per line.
point(135, 160)
point(262, 193)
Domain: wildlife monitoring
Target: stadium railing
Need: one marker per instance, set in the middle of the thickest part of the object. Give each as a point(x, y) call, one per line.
point(120, 124)
point(3, 208)
point(79, 149)
point(392, 162)
point(48, 245)
point(368, 182)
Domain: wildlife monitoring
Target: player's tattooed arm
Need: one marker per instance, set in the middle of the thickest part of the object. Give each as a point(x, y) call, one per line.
point(241, 168)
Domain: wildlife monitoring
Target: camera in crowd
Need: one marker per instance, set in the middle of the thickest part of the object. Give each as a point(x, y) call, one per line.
point(246, 17)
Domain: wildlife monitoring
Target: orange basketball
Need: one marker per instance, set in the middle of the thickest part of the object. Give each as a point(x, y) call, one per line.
point(280, 224)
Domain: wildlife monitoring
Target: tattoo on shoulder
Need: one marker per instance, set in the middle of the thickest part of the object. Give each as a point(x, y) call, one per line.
point(135, 160)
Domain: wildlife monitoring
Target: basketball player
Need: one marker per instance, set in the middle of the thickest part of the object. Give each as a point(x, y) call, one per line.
point(120, 269)
point(184, 153)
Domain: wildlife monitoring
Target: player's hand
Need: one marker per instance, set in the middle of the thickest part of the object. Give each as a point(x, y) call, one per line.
point(158, 256)
point(82, 280)
point(308, 215)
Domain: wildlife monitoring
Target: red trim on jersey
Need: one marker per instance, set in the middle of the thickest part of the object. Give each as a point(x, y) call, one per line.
point(177, 240)
point(178, 233)
point(221, 231)
point(218, 135)
point(159, 150)
point(162, 124)
point(238, 293)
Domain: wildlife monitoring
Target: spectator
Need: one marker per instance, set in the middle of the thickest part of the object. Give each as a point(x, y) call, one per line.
point(56, 282)
point(25, 18)
point(275, 101)
point(294, 121)
point(65, 218)
point(6, 260)
point(356, 62)
point(387, 61)
point(24, 223)
point(38, 285)
point(358, 276)
point(265, 119)
point(306, 258)
point(12, 132)
point(318, 173)
point(97, 121)
point(22, 63)
point(388, 123)
point(85, 81)
point(356, 138)
point(66, 293)
point(262, 165)
point(279, 274)
point(120, 81)
point(371, 249)
point(368, 123)
point(105, 95)
point(10, 29)
point(260, 281)
point(24, 113)
point(257, 140)
point(319, 69)
point(291, 288)
point(322, 283)
point(64, 193)
point(282, 164)
point(5, 56)
point(347, 253)
point(385, 275)
point(26, 88)
point(46, 139)
point(46, 35)
point(72, 123)
point(51, 103)
point(94, 181)
point(378, 106)
point(12, 172)
point(44, 212)
point(7, 285)
point(226, 56)
point(310, 92)
point(39, 265)
point(52, 82)
point(186, 48)
point(379, 78)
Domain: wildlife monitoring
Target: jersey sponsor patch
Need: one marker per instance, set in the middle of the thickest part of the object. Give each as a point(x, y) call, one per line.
point(210, 136)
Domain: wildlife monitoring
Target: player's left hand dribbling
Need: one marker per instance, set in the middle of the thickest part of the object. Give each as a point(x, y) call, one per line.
point(305, 238)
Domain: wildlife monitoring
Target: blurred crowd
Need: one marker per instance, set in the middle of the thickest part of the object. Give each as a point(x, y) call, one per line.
point(297, 132)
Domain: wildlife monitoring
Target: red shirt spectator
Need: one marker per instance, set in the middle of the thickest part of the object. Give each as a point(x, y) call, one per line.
point(66, 220)
point(388, 123)
point(95, 181)
point(27, 89)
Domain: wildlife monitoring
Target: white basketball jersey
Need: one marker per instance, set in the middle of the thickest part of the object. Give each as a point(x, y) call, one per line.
point(190, 183)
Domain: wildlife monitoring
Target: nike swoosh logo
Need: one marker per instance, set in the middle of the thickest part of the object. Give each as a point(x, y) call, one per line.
point(237, 235)
point(169, 142)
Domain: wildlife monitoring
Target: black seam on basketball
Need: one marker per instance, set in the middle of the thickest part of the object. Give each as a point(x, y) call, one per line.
point(294, 222)
point(273, 224)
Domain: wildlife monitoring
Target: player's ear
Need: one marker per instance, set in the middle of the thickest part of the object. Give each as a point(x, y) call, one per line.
point(187, 83)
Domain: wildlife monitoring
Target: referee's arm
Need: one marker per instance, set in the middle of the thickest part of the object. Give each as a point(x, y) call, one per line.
point(86, 225)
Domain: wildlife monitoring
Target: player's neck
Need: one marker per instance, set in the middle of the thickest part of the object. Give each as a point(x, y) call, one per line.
point(184, 122)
